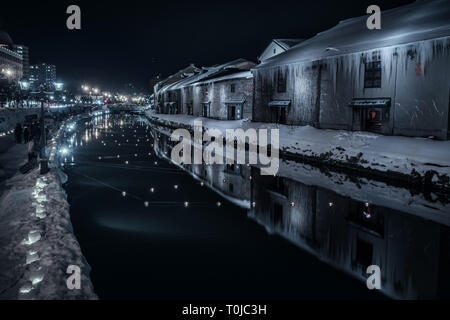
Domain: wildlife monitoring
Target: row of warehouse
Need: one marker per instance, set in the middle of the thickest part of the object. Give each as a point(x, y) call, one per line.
point(393, 81)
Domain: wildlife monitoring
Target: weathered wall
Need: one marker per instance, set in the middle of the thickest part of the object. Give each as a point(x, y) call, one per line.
point(422, 96)
point(416, 78)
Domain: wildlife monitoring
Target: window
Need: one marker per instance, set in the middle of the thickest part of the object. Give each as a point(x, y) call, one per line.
point(372, 75)
point(231, 187)
point(281, 81)
point(232, 87)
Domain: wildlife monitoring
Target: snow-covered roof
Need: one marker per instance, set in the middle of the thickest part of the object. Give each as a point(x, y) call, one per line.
point(422, 20)
point(239, 75)
point(211, 72)
point(287, 43)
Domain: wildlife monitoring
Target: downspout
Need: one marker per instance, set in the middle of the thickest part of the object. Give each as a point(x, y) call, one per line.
point(394, 104)
point(318, 94)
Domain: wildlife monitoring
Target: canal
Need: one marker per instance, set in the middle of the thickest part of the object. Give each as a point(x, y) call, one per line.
point(152, 230)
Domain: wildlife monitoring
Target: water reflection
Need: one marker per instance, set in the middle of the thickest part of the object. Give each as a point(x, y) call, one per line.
point(347, 222)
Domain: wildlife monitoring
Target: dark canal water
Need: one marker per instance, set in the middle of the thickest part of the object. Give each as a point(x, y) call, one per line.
point(152, 230)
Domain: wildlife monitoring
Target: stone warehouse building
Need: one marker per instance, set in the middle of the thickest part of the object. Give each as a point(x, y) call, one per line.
point(221, 92)
point(393, 81)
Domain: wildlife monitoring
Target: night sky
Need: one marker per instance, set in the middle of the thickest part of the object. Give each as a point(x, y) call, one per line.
point(131, 41)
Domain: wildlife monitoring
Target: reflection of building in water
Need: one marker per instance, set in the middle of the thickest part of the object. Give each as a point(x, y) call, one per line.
point(413, 253)
point(231, 180)
point(351, 235)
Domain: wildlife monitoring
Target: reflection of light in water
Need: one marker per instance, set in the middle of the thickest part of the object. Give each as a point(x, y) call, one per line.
point(366, 212)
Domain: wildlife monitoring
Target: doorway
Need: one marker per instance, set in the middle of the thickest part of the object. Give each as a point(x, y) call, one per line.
point(278, 115)
point(206, 110)
point(234, 112)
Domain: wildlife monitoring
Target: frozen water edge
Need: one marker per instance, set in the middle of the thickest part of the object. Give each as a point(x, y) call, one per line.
point(37, 241)
point(415, 158)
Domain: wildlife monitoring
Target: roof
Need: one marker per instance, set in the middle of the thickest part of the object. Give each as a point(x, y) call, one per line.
point(238, 75)
point(227, 68)
point(421, 20)
point(5, 39)
point(287, 43)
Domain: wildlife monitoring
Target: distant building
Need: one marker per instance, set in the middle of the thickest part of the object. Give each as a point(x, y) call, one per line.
point(391, 81)
point(153, 82)
point(10, 60)
point(221, 92)
point(277, 46)
point(24, 52)
point(42, 74)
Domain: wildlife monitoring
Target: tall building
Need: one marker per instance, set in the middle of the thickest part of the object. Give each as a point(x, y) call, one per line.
point(42, 74)
point(10, 60)
point(25, 53)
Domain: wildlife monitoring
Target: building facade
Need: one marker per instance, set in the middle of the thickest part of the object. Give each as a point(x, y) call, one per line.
point(25, 53)
point(394, 81)
point(10, 61)
point(42, 74)
point(277, 46)
point(223, 92)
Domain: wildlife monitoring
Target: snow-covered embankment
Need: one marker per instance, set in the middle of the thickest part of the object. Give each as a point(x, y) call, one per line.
point(37, 241)
point(414, 160)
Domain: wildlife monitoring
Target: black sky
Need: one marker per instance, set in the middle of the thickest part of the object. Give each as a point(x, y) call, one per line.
point(130, 41)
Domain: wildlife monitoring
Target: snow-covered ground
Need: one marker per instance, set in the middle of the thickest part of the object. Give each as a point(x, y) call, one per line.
point(414, 157)
point(36, 238)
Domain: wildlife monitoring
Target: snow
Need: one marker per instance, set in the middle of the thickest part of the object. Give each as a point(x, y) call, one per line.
point(403, 155)
point(362, 189)
point(207, 73)
point(239, 75)
point(36, 239)
point(416, 22)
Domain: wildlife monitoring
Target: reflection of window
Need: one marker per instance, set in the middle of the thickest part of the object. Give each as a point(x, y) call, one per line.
point(364, 253)
point(277, 215)
point(278, 185)
point(231, 187)
point(233, 168)
point(367, 216)
point(281, 81)
point(372, 75)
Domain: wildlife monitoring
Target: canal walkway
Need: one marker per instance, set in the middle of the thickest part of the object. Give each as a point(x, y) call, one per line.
point(413, 160)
